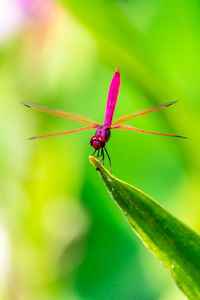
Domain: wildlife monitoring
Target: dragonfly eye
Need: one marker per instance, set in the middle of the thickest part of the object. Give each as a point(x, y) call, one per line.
point(97, 142)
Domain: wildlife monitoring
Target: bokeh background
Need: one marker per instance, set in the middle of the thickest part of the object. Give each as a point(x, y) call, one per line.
point(61, 235)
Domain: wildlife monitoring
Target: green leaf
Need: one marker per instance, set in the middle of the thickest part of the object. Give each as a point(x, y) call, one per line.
point(175, 245)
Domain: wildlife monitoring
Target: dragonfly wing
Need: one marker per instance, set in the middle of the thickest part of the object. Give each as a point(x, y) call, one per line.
point(112, 98)
point(62, 114)
point(128, 127)
point(141, 113)
point(60, 133)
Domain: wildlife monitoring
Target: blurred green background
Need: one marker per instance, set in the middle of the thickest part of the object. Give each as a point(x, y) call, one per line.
point(61, 235)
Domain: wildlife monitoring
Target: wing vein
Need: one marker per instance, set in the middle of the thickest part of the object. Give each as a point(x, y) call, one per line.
point(61, 133)
point(62, 114)
point(128, 127)
point(141, 113)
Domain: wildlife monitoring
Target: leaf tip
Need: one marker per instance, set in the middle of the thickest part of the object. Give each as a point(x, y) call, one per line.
point(95, 162)
point(98, 166)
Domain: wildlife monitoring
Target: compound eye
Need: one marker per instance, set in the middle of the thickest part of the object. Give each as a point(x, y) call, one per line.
point(102, 141)
point(93, 139)
point(97, 142)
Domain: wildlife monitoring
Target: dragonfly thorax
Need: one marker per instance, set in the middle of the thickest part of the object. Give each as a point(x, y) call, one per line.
point(97, 142)
point(103, 131)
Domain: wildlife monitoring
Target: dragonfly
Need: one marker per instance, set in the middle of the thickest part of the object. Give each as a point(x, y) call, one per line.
point(103, 131)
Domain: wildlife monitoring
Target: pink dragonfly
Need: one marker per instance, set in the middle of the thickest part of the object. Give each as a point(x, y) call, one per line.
point(99, 140)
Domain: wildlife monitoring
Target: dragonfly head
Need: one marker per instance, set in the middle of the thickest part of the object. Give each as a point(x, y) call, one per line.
point(97, 142)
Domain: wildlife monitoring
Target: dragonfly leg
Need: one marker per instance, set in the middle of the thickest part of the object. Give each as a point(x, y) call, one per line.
point(109, 160)
point(102, 155)
point(97, 156)
point(94, 152)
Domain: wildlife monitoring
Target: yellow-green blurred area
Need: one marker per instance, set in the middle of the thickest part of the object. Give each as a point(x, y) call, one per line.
point(61, 235)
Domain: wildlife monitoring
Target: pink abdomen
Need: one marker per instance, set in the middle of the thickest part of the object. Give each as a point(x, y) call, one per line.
point(112, 98)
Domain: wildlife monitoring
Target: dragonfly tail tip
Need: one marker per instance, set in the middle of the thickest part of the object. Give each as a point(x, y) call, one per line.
point(32, 138)
point(117, 71)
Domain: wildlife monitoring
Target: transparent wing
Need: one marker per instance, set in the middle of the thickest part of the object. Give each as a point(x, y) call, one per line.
point(60, 133)
point(62, 114)
point(141, 113)
point(128, 127)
